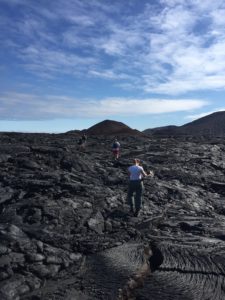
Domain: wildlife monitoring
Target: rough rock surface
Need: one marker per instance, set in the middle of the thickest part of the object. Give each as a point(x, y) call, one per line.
point(66, 231)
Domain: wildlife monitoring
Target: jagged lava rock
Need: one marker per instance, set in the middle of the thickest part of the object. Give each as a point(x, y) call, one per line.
point(65, 226)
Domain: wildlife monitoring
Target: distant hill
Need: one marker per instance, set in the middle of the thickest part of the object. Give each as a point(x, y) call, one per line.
point(109, 127)
point(76, 131)
point(213, 124)
point(165, 130)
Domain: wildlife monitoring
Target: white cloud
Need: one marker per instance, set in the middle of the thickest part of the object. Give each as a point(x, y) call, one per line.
point(13, 106)
point(116, 106)
point(191, 44)
point(53, 62)
point(170, 49)
point(201, 115)
point(109, 74)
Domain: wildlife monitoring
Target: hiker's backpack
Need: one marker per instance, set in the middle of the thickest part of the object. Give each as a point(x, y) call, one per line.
point(116, 145)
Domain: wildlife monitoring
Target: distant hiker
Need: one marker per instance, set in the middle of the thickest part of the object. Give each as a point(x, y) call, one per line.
point(116, 149)
point(82, 141)
point(136, 173)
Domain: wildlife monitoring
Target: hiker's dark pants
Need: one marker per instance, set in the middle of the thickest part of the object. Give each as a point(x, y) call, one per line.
point(135, 187)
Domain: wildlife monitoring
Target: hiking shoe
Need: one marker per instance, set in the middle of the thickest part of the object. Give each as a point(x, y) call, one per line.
point(131, 211)
point(136, 213)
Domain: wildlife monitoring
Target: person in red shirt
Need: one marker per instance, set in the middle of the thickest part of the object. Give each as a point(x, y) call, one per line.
point(116, 149)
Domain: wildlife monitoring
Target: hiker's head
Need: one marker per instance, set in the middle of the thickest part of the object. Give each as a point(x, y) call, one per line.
point(137, 161)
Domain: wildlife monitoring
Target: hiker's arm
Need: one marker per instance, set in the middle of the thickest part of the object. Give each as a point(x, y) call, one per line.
point(144, 173)
point(151, 174)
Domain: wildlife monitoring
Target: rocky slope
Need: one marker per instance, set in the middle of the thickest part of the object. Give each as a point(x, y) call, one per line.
point(66, 231)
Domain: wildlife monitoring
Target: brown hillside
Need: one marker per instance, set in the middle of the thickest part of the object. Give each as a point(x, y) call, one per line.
point(210, 125)
point(213, 124)
point(109, 127)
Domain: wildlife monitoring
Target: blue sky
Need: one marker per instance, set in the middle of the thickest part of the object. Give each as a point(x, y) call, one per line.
point(70, 64)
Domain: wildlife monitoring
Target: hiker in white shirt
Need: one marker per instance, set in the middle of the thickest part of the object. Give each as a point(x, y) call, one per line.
point(136, 173)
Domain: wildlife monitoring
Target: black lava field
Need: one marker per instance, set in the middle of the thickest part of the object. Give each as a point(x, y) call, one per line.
point(66, 231)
